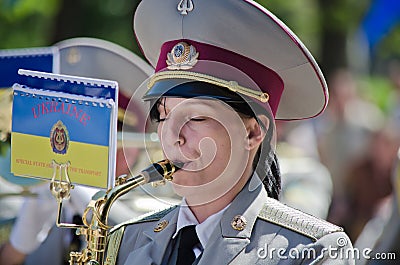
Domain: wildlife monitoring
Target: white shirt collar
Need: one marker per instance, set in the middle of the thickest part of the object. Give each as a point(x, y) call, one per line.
point(203, 230)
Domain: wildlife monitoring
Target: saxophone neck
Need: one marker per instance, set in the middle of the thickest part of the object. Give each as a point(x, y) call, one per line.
point(97, 229)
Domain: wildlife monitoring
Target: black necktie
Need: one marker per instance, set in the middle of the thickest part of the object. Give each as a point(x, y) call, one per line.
point(188, 239)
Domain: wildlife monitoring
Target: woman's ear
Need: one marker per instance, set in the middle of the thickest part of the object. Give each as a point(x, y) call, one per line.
point(256, 132)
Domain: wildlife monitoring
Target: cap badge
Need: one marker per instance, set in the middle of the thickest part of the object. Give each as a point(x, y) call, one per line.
point(182, 57)
point(161, 225)
point(185, 6)
point(238, 222)
point(59, 138)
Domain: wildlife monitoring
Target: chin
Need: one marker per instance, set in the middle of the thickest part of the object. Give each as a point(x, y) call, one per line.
point(185, 178)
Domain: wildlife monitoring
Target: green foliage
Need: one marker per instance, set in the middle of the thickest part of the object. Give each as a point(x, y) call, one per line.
point(30, 23)
point(378, 90)
point(17, 10)
point(389, 46)
point(26, 23)
point(309, 19)
point(301, 16)
point(344, 15)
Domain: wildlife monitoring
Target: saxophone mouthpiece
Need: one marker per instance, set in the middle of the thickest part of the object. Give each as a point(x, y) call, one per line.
point(162, 170)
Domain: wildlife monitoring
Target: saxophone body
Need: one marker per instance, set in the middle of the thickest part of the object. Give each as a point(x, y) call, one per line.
point(96, 230)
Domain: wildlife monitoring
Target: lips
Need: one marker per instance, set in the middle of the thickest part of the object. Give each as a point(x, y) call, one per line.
point(178, 164)
point(182, 165)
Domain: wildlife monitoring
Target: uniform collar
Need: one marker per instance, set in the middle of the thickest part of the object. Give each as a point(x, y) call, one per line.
point(247, 204)
point(228, 240)
point(204, 229)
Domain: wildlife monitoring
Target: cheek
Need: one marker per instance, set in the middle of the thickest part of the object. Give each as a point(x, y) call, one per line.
point(205, 144)
point(232, 148)
point(224, 145)
point(215, 145)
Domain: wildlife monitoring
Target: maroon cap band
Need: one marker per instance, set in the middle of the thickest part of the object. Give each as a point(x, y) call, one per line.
point(266, 79)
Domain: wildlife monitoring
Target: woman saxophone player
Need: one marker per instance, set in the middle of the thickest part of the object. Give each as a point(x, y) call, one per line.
point(224, 71)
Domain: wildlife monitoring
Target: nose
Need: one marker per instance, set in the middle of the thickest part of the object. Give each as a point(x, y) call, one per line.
point(180, 140)
point(171, 133)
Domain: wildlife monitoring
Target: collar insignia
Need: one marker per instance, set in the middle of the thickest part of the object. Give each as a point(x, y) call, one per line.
point(239, 222)
point(161, 225)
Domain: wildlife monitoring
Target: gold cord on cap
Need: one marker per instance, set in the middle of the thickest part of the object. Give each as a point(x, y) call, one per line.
point(231, 85)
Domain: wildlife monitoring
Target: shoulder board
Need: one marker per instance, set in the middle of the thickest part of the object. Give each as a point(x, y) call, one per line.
point(298, 221)
point(148, 217)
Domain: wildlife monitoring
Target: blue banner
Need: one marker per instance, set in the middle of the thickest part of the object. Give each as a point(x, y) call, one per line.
point(35, 114)
point(38, 59)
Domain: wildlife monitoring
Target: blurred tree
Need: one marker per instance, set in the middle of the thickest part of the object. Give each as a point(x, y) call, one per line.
point(106, 19)
point(301, 16)
point(390, 45)
point(30, 23)
point(26, 23)
point(323, 25)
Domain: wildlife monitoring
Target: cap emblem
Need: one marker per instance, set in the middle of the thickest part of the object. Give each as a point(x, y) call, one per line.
point(182, 57)
point(185, 6)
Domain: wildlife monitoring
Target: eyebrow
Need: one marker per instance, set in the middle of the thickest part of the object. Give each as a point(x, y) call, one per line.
point(203, 101)
point(195, 101)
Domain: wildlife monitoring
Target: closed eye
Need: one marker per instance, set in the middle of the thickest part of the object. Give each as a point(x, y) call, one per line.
point(198, 119)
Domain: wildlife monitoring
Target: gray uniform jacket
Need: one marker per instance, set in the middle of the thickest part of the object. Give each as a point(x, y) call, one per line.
point(274, 234)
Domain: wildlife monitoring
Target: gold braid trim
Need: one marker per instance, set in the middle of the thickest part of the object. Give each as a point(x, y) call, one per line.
point(278, 213)
point(231, 85)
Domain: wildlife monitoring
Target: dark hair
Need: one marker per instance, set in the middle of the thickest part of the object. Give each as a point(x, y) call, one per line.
point(265, 162)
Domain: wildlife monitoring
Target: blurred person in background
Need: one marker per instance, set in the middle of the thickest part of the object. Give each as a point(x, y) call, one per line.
point(379, 199)
point(394, 77)
point(306, 182)
point(368, 183)
point(343, 132)
point(382, 232)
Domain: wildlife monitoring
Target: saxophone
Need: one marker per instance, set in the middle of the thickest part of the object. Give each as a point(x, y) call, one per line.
point(96, 230)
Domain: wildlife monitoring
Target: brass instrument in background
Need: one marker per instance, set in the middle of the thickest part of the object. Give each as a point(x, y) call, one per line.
point(97, 229)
